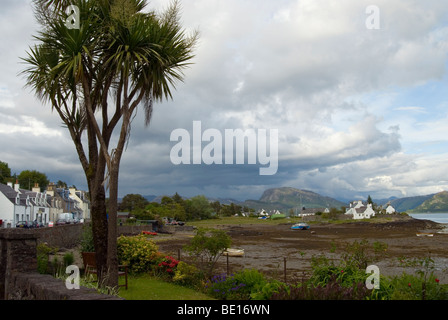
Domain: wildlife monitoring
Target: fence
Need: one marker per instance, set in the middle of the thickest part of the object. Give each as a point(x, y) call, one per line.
point(226, 263)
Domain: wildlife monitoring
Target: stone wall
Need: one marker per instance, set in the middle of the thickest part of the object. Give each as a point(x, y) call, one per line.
point(19, 279)
point(65, 236)
point(34, 286)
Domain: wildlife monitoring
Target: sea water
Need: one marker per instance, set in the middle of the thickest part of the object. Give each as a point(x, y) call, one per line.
point(436, 217)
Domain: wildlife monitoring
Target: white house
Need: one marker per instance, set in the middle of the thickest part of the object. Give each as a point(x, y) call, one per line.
point(18, 204)
point(56, 204)
point(83, 202)
point(14, 206)
point(390, 209)
point(37, 201)
point(360, 211)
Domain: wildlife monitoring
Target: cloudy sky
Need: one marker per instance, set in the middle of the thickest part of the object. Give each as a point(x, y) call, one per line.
point(360, 108)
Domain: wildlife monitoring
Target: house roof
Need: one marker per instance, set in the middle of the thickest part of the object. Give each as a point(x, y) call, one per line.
point(9, 192)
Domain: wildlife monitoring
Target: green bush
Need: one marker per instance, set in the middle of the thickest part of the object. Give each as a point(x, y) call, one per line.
point(267, 290)
point(139, 253)
point(43, 252)
point(332, 290)
point(207, 246)
point(187, 275)
point(87, 239)
point(68, 259)
point(239, 286)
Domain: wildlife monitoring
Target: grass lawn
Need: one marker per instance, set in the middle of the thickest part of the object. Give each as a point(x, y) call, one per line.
point(210, 223)
point(146, 287)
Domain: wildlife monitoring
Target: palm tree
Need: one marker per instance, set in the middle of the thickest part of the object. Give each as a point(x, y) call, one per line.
point(96, 77)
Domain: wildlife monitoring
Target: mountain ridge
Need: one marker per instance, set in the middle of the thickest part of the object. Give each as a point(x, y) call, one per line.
point(437, 203)
point(286, 198)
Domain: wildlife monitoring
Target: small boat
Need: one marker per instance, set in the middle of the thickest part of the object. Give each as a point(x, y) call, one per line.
point(234, 252)
point(425, 234)
point(300, 226)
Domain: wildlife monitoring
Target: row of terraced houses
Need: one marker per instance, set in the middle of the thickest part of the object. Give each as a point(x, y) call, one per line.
point(18, 204)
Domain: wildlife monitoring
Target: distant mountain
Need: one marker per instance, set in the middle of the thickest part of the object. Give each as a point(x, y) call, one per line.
point(286, 198)
point(436, 203)
point(404, 204)
point(150, 198)
point(226, 201)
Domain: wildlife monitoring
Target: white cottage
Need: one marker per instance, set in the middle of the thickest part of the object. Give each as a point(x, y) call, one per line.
point(14, 207)
point(360, 211)
point(390, 209)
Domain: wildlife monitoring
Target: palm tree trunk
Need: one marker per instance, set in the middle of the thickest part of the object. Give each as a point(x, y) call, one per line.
point(99, 230)
point(112, 258)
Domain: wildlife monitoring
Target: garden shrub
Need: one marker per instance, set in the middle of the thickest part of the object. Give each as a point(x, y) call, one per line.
point(68, 259)
point(187, 275)
point(223, 287)
point(139, 253)
point(43, 252)
point(207, 246)
point(167, 267)
point(239, 286)
point(332, 290)
point(266, 291)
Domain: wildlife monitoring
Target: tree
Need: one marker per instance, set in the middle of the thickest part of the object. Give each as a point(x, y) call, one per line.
point(5, 172)
point(207, 246)
point(198, 207)
point(61, 184)
point(95, 73)
point(178, 199)
point(27, 179)
point(131, 202)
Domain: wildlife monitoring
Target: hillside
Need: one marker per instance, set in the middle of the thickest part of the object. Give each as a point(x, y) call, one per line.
point(408, 203)
point(287, 198)
point(436, 203)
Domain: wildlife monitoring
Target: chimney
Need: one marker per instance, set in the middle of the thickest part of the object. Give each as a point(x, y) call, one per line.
point(17, 186)
point(9, 184)
point(36, 187)
point(50, 189)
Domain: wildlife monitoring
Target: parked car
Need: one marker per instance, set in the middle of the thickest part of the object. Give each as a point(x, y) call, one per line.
point(172, 221)
point(24, 224)
point(76, 220)
point(61, 222)
point(37, 224)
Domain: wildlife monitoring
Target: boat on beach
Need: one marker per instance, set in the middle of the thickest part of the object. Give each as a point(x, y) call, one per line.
point(234, 252)
point(300, 226)
point(424, 234)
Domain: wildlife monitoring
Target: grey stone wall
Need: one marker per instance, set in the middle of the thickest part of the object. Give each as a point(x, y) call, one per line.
point(19, 279)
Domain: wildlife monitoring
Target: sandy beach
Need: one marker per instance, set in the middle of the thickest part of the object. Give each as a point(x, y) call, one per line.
point(268, 246)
